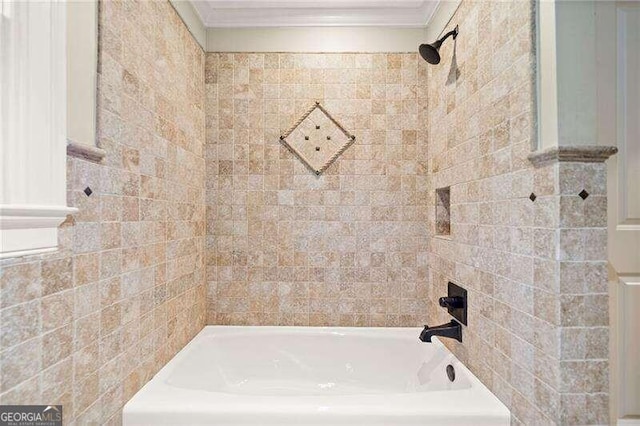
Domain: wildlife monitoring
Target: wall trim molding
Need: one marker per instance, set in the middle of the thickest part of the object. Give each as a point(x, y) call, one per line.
point(579, 154)
point(86, 152)
point(30, 229)
point(629, 280)
point(628, 421)
point(314, 13)
point(34, 132)
point(375, 39)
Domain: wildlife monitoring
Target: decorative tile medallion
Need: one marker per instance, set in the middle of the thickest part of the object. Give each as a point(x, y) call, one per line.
point(317, 139)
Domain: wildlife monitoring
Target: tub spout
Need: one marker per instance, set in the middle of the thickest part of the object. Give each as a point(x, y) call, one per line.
point(452, 330)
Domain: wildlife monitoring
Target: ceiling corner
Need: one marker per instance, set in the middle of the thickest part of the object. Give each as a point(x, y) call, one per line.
point(192, 20)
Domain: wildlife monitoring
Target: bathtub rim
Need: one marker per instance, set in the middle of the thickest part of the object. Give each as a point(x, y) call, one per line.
point(156, 396)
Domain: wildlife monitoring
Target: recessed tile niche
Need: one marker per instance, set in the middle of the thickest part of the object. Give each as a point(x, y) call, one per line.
point(443, 211)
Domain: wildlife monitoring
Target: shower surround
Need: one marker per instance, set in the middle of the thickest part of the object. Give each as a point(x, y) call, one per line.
point(529, 249)
point(287, 247)
point(186, 225)
point(358, 245)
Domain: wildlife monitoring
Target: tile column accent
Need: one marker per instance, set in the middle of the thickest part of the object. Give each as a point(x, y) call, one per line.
point(525, 239)
point(571, 283)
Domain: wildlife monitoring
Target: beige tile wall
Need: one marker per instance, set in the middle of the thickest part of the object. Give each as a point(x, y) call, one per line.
point(582, 316)
point(89, 325)
point(535, 270)
point(287, 247)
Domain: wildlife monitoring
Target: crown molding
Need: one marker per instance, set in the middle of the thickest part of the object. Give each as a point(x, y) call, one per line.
point(377, 29)
point(312, 13)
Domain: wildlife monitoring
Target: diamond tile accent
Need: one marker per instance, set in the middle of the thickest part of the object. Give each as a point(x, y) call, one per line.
point(317, 139)
point(583, 194)
point(88, 191)
point(532, 197)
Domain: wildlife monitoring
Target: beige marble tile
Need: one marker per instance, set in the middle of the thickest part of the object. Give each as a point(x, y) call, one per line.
point(546, 255)
point(195, 178)
point(255, 179)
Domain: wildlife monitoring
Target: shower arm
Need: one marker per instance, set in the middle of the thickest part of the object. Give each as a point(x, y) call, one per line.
point(453, 32)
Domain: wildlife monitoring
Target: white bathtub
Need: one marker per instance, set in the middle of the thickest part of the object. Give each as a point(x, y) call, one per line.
point(313, 376)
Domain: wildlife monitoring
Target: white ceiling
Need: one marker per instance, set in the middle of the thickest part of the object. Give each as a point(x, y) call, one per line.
point(314, 13)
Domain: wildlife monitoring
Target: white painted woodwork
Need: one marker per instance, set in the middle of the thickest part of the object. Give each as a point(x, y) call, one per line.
point(629, 118)
point(315, 26)
point(629, 350)
point(82, 71)
point(626, 207)
point(618, 30)
point(314, 13)
point(33, 128)
point(624, 168)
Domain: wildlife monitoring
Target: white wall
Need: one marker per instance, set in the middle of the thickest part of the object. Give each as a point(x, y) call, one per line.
point(315, 39)
point(567, 73)
point(82, 60)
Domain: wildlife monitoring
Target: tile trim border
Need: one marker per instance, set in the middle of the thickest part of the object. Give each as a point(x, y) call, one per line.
point(335, 156)
point(579, 154)
point(86, 152)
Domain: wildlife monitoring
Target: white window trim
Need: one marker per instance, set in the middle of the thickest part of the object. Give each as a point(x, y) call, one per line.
point(33, 128)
